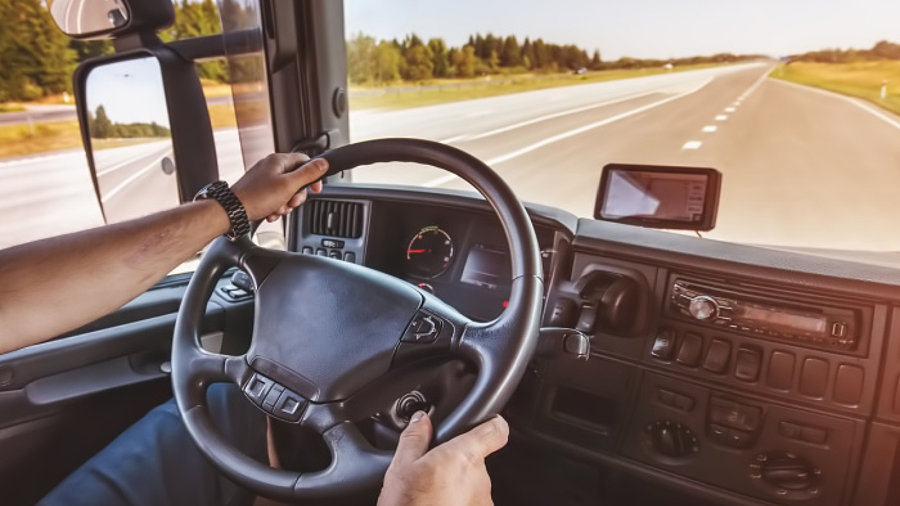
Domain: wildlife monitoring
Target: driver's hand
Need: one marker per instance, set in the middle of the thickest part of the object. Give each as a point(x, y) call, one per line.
point(271, 188)
point(452, 473)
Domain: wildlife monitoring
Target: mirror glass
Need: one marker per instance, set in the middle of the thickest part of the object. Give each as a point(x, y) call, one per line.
point(88, 17)
point(131, 143)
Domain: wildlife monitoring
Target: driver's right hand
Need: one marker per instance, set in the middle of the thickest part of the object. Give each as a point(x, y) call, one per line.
point(450, 474)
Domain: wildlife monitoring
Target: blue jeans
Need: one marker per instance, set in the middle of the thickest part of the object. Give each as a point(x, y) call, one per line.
point(155, 461)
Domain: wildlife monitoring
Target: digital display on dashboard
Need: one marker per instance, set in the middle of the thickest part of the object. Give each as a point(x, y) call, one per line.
point(782, 319)
point(659, 196)
point(486, 267)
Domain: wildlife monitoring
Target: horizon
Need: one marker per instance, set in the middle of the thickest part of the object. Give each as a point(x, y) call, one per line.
point(709, 28)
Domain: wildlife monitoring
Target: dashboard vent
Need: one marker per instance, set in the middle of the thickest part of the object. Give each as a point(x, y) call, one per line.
point(335, 218)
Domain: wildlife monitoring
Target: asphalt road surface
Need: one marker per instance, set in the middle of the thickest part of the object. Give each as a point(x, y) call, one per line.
point(800, 167)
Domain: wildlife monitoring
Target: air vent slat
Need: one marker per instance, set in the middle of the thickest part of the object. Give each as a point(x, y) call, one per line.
point(335, 218)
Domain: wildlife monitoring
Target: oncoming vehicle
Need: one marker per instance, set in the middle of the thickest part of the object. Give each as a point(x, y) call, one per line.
point(672, 269)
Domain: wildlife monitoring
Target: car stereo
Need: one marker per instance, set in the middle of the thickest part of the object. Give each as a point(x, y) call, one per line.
point(821, 327)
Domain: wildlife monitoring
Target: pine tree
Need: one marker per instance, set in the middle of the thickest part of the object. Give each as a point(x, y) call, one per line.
point(511, 55)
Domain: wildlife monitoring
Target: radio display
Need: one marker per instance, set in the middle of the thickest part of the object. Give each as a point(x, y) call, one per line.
point(802, 322)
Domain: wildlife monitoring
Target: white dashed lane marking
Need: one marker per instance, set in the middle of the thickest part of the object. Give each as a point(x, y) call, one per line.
point(721, 117)
point(729, 109)
point(710, 128)
point(692, 145)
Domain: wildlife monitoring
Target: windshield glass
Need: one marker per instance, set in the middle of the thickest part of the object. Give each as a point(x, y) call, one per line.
point(793, 102)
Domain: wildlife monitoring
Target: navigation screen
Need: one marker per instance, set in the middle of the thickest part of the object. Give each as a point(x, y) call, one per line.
point(487, 268)
point(656, 195)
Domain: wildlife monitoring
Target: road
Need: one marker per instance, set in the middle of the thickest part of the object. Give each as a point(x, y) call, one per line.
point(800, 166)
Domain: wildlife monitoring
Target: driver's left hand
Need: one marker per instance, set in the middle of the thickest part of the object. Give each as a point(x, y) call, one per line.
point(272, 188)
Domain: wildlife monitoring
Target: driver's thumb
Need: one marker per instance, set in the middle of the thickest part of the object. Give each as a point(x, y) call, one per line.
point(414, 440)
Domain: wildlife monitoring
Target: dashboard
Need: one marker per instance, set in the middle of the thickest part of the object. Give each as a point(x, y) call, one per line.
point(735, 374)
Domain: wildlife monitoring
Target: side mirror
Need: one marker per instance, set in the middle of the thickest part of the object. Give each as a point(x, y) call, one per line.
point(131, 138)
point(87, 19)
point(143, 118)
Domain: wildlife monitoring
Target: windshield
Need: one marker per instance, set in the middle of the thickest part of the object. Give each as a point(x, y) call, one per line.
point(793, 102)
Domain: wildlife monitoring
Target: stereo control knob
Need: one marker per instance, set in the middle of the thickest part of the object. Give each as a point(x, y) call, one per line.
point(704, 307)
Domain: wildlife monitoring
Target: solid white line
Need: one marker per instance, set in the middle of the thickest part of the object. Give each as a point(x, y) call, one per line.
point(588, 127)
point(127, 162)
point(755, 85)
point(121, 186)
point(692, 145)
point(721, 117)
point(710, 128)
point(557, 115)
point(455, 138)
point(440, 180)
point(855, 101)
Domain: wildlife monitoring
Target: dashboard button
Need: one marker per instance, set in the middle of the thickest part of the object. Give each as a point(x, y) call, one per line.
point(747, 364)
point(306, 250)
point(666, 397)
point(350, 257)
point(684, 402)
point(690, 350)
point(790, 430)
point(814, 435)
point(848, 384)
point(321, 252)
point(717, 356)
point(814, 377)
point(781, 370)
point(735, 415)
point(664, 345)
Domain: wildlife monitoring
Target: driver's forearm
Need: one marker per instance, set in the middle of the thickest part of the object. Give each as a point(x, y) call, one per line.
point(52, 286)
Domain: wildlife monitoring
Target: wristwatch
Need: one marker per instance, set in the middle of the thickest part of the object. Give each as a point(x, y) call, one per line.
point(237, 215)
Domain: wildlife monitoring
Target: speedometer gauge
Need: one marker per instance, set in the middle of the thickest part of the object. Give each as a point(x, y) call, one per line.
point(430, 252)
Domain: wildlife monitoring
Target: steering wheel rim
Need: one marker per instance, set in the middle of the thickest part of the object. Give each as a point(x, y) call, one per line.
point(500, 349)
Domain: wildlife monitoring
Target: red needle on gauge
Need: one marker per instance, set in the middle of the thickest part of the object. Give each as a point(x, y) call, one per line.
point(410, 251)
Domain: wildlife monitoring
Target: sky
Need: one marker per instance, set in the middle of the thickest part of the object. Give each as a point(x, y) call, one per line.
point(131, 91)
point(640, 28)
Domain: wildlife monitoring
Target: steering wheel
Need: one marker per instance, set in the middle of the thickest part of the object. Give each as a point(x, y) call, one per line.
point(328, 333)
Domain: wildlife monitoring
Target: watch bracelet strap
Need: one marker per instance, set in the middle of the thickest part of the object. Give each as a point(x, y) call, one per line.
point(237, 215)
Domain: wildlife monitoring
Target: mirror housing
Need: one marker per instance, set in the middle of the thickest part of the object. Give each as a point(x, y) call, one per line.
point(656, 196)
point(193, 145)
point(91, 19)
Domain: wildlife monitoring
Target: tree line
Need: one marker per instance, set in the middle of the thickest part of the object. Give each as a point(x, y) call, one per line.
point(371, 61)
point(37, 59)
point(882, 50)
point(101, 127)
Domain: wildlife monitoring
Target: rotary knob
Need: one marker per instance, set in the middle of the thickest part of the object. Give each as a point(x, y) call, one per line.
point(704, 307)
point(672, 439)
point(785, 472)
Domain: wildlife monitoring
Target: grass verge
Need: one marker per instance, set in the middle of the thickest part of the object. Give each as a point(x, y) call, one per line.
point(860, 79)
point(437, 92)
